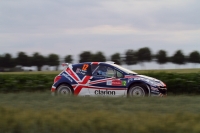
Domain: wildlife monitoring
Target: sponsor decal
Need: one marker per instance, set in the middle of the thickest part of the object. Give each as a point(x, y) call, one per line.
point(85, 67)
point(80, 71)
point(102, 92)
point(123, 83)
point(109, 82)
point(83, 72)
point(116, 82)
point(67, 76)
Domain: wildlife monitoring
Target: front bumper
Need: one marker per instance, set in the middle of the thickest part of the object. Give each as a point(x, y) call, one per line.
point(53, 91)
point(162, 91)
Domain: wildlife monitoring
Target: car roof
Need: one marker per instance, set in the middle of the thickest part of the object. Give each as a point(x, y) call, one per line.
point(107, 62)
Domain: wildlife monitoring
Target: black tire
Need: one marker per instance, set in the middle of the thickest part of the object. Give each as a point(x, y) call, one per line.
point(138, 90)
point(64, 89)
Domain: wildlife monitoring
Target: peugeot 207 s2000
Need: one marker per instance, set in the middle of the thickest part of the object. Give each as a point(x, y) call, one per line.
point(105, 79)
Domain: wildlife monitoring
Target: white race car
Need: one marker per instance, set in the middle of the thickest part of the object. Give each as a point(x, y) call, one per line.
point(105, 79)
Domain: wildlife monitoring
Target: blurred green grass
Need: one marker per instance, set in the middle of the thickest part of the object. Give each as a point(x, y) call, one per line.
point(41, 112)
point(44, 101)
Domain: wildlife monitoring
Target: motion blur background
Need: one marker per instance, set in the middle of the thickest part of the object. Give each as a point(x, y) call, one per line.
point(138, 34)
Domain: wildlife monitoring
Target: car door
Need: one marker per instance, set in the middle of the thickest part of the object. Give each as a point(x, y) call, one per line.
point(83, 71)
point(104, 81)
point(98, 81)
point(117, 82)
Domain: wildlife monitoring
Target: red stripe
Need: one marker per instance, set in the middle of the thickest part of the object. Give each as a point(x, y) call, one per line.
point(72, 74)
point(129, 76)
point(79, 88)
point(74, 86)
point(100, 81)
point(95, 82)
point(95, 63)
point(85, 80)
point(93, 87)
point(53, 89)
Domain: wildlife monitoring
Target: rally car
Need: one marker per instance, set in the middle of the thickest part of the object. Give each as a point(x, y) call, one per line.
point(105, 79)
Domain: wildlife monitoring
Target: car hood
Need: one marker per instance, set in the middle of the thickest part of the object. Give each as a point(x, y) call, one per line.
point(151, 80)
point(147, 77)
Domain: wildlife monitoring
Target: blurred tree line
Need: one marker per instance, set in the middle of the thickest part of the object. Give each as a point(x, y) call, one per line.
point(130, 57)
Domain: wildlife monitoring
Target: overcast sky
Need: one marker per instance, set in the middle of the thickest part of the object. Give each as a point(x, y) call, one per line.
point(68, 27)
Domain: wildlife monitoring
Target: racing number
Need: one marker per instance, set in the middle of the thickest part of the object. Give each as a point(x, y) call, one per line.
point(85, 66)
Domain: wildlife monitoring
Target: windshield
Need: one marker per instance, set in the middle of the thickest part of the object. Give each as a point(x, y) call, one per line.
point(124, 69)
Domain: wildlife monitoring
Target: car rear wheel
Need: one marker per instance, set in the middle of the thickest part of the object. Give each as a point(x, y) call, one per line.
point(138, 90)
point(64, 90)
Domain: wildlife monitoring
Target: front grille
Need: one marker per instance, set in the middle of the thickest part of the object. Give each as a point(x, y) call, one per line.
point(163, 91)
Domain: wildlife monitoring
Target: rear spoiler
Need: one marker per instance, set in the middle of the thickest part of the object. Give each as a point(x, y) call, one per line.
point(66, 65)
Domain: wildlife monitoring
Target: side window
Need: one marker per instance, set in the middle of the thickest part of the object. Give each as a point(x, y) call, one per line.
point(110, 72)
point(119, 75)
point(94, 67)
point(105, 71)
point(82, 69)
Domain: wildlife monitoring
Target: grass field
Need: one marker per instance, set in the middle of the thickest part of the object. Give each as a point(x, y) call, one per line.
point(197, 70)
point(41, 112)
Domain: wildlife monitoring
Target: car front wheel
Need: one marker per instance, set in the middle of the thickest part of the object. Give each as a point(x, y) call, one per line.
point(64, 90)
point(138, 90)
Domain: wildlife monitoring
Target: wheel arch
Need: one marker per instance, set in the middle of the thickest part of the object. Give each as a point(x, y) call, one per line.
point(65, 83)
point(140, 82)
